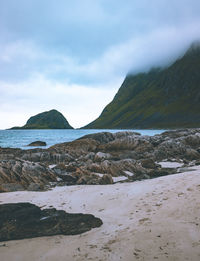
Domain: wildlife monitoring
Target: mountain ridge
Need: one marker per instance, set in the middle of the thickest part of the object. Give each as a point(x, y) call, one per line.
point(162, 98)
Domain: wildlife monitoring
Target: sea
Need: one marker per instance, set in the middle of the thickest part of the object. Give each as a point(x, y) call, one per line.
point(21, 138)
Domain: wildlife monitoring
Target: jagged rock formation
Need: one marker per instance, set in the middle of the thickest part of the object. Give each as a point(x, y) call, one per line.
point(162, 98)
point(16, 174)
point(98, 159)
point(52, 119)
point(25, 220)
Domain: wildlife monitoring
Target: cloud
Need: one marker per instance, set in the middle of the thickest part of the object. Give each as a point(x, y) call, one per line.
point(156, 48)
point(18, 50)
point(80, 104)
point(89, 41)
point(74, 55)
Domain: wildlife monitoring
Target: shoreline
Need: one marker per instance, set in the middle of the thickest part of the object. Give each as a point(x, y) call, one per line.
point(143, 220)
point(67, 136)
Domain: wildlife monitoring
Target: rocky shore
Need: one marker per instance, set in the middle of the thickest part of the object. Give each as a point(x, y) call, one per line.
point(101, 158)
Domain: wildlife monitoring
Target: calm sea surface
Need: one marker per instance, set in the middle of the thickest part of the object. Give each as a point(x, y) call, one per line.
point(21, 138)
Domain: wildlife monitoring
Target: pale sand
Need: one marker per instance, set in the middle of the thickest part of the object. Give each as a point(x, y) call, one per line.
point(155, 219)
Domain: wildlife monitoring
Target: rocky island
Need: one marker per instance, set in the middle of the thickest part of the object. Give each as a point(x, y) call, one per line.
point(52, 119)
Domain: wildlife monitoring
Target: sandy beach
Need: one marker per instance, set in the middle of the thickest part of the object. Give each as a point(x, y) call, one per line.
point(156, 219)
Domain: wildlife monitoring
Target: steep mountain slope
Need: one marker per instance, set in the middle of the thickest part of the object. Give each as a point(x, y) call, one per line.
point(52, 119)
point(161, 98)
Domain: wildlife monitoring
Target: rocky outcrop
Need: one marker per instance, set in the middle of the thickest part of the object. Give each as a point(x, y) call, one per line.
point(25, 220)
point(19, 175)
point(97, 159)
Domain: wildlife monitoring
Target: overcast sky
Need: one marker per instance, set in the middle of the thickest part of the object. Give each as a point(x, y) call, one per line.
point(73, 55)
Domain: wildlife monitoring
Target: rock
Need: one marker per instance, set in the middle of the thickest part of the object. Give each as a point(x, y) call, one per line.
point(81, 161)
point(106, 179)
point(171, 148)
point(131, 142)
point(34, 187)
point(9, 187)
point(77, 147)
point(25, 173)
point(71, 167)
point(100, 156)
point(82, 180)
point(102, 137)
point(90, 156)
point(71, 180)
point(60, 166)
point(192, 140)
point(37, 143)
point(95, 167)
point(34, 157)
point(192, 154)
point(10, 153)
point(25, 220)
point(173, 134)
point(122, 134)
point(88, 179)
point(161, 172)
point(148, 163)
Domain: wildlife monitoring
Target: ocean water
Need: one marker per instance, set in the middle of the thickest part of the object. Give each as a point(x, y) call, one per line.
point(21, 138)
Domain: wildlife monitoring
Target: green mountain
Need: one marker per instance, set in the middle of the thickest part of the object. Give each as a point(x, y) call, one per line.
point(52, 119)
point(161, 98)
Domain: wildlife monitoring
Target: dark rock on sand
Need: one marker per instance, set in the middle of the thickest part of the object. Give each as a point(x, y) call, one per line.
point(25, 220)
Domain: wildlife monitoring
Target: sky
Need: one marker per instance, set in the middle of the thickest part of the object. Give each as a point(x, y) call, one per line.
point(73, 55)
